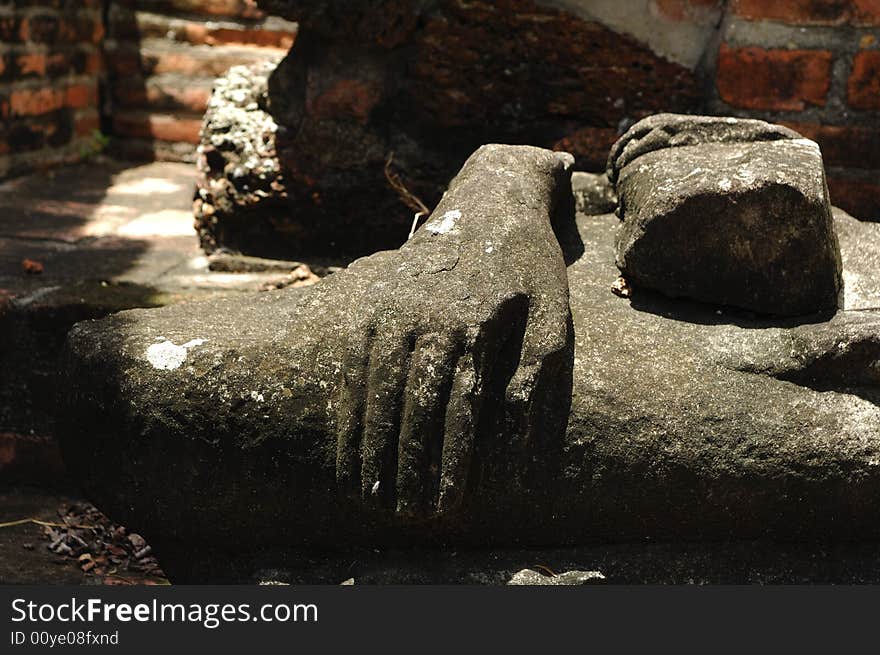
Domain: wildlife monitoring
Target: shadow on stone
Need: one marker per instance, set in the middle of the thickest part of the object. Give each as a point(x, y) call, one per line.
point(703, 313)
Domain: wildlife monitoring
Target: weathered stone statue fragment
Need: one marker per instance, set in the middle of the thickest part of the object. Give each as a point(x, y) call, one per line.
point(726, 210)
point(393, 387)
point(482, 385)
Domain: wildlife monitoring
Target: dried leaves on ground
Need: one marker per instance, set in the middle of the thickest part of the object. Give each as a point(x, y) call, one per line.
point(102, 548)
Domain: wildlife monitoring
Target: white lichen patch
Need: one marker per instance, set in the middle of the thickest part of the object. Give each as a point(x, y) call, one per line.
point(725, 184)
point(257, 397)
point(167, 356)
point(444, 224)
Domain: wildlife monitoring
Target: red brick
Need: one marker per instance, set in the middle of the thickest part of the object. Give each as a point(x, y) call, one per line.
point(31, 458)
point(28, 135)
point(782, 80)
point(866, 12)
point(86, 125)
point(184, 62)
point(64, 5)
point(98, 32)
point(192, 98)
point(129, 95)
point(54, 64)
point(347, 98)
point(195, 33)
point(165, 97)
point(79, 31)
point(686, 10)
point(589, 145)
point(236, 8)
point(124, 63)
point(863, 86)
point(809, 12)
point(25, 137)
point(76, 30)
point(201, 33)
point(239, 8)
point(844, 145)
point(796, 12)
point(40, 29)
point(32, 102)
point(262, 38)
point(159, 126)
point(10, 29)
point(60, 63)
point(179, 62)
point(80, 96)
point(32, 64)
point(94, 63)
point(855, 196)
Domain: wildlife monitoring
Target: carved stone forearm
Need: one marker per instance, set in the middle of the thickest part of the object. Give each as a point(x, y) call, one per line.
point(428, 383)
point(727, 211)
point(391, 391)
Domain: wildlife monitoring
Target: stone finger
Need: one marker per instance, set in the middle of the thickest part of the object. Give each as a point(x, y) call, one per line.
point(386, 380)
point(427, 392)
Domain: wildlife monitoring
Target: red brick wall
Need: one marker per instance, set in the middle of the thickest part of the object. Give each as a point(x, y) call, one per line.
point(50, 62)
point(162, 58)
point(815, 66)
point(147, 66)
point(812, 64)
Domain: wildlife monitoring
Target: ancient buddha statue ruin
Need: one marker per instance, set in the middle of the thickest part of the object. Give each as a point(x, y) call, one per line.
point(482, 384)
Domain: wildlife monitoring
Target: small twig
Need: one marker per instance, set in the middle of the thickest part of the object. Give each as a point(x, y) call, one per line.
point(48, 524)
point(545, 569)
point(415, 223)
point(407, 197)
point(119, 577)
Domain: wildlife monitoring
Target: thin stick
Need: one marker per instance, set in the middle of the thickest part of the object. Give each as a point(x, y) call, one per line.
point(48, 524)
point(412, 230)
point(407, 197)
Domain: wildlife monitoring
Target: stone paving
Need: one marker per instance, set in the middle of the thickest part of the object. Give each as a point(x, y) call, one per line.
point(110, 224)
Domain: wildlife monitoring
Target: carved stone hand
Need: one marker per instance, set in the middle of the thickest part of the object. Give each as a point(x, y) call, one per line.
point(461, 331)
